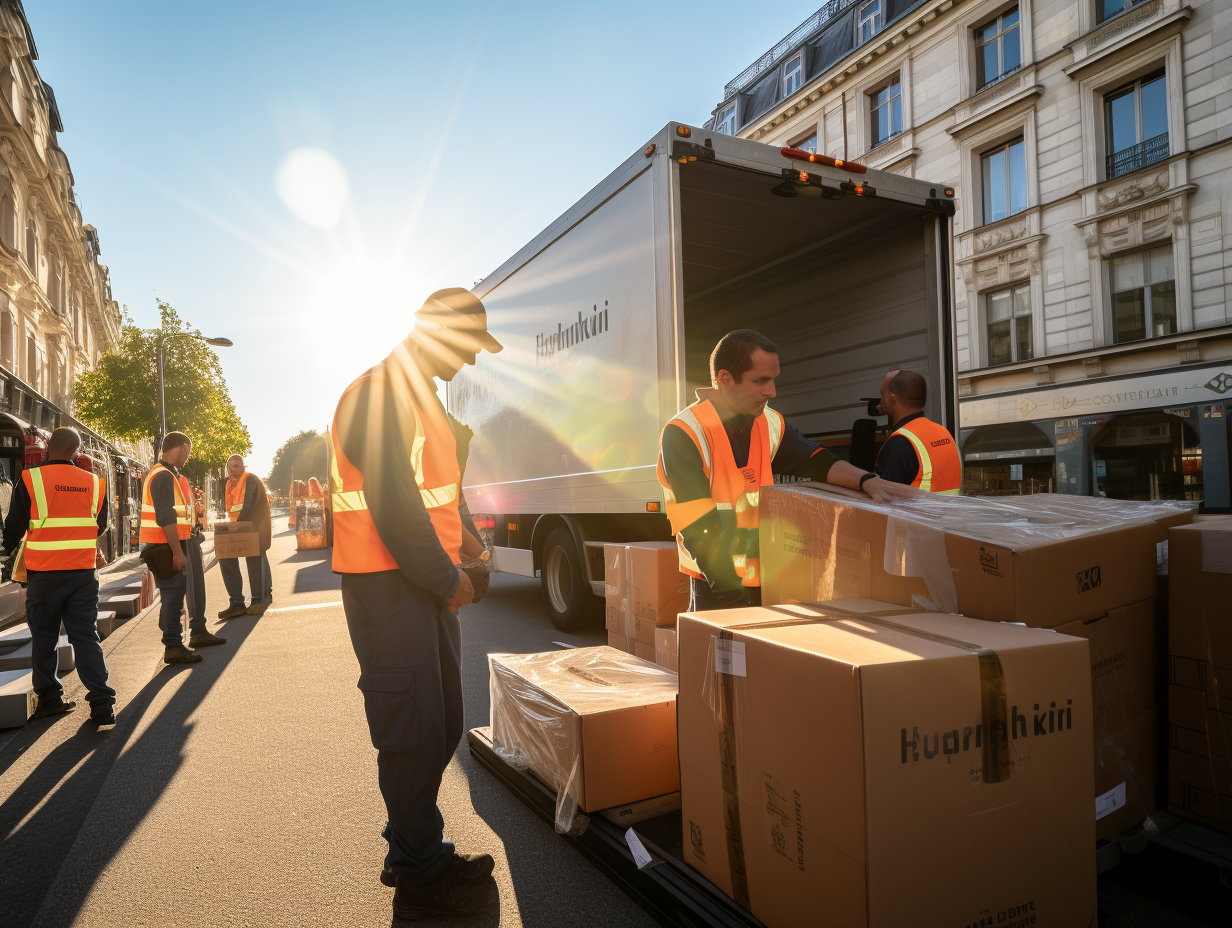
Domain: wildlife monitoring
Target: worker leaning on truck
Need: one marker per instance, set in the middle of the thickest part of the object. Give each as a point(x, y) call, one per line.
point(397, 539)
point(715, 456)
point(919, 452)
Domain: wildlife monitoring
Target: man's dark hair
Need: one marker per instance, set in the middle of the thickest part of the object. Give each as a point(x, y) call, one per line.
point(910, 387)
point(63, 442)
point(173, 440)
point(734, 353)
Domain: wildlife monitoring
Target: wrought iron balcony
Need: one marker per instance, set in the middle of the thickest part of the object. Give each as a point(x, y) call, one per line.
point(1137, 156)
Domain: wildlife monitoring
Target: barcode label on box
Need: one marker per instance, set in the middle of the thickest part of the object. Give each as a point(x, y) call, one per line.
point(729, 657)
point(1110, 801)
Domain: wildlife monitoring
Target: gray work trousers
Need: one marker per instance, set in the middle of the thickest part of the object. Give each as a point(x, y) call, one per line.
point(71, 597)
point(410, 662)
point(260, 581)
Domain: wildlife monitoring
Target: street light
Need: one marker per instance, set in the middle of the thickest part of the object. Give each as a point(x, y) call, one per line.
point(162, 407)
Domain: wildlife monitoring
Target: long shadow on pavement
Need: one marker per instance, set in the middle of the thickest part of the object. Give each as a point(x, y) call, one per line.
point(41, 820)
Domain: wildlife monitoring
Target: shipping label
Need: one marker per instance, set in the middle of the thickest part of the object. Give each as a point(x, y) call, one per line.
point(729, 657)
point(1110, 801)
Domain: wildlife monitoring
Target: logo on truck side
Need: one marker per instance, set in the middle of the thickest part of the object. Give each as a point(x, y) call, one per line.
point(547, 344)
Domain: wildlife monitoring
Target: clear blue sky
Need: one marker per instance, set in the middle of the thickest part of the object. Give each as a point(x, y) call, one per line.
point(462, 129)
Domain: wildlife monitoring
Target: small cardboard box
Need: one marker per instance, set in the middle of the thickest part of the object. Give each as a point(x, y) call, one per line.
point(849, 769)
point(236, 539)
point(976, 556)
point(631, 646)
point(1126, 690)
point(659, 591)
point(615, 587)
point(665, 649)
point(597, 721)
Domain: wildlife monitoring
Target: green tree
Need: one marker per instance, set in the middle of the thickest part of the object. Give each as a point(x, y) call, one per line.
point(304, 455)
point(119, 397)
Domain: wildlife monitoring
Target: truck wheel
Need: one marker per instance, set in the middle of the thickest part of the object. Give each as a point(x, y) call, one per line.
point(566, 592)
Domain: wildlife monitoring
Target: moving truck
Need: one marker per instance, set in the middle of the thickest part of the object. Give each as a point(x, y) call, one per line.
point(609, 315)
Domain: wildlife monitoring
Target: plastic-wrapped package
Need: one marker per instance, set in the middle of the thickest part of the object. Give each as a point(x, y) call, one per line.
point(595, 724)
point(1038, 560)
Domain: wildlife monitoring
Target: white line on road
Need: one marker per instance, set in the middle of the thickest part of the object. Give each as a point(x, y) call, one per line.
point(332, 602)
point(564, 644)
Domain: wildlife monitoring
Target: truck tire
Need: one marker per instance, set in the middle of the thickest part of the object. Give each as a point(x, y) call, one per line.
point(567, 596)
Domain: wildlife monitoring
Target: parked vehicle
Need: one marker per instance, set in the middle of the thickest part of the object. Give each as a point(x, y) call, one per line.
point(609, 315)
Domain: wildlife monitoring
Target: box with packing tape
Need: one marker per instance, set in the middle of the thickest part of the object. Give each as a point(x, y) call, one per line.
point(595, 724)
point(1041, 563)
point(1200, 672)
point(236, 539)
point(644, 589)
point(842, 767)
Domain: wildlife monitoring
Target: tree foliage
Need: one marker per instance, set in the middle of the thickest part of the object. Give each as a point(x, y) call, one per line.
point(304, 455)
point(119, 397)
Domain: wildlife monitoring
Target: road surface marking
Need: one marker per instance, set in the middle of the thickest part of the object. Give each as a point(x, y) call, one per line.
point(332, 602)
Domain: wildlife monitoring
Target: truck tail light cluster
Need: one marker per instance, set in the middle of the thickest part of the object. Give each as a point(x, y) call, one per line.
point(797, 154)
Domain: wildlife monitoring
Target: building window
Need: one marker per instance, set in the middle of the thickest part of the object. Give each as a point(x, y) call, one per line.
point(998, 51)
point(1136, 119)
point(6, 340)
point(8, 220)
point(871, 20)
point(793, 76)
point(32, 361)
point(1005, 181)
point(1106, 9)
point(1143, 295)
point(1009, 326)
point(808, 143)
point(31, 245)
point(887, 112)
point(725, 124)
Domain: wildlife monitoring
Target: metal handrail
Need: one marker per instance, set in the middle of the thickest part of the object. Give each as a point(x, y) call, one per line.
point(788, 43)
point(1137, 156)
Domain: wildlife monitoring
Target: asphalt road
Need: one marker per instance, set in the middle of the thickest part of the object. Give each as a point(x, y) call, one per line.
point(241, 791)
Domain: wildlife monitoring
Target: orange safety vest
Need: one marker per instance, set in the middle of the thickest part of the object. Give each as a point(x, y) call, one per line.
point(151, 533)
point(235, 496)
point(64, 504)
point(940, 467)
point(430, 446)
point(734, 491)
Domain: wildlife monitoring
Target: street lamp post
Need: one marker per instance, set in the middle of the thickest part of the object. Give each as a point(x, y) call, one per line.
point(162, 406)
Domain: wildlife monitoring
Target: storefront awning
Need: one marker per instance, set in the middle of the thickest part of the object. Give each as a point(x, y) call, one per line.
point(1007, 442)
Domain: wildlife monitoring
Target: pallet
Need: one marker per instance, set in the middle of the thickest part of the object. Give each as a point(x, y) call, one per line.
point(667, 889)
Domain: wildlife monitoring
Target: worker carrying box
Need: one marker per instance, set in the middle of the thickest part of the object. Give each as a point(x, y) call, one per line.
point(236, 539)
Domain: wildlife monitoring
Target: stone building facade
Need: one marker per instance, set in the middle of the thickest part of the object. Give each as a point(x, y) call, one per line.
point(1089, 143)
point(57, 314)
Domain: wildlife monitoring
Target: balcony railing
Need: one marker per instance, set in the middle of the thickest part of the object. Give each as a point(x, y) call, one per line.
point(1137, 156)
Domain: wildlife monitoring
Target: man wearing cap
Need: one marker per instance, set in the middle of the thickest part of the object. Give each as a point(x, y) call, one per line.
point(397, 534)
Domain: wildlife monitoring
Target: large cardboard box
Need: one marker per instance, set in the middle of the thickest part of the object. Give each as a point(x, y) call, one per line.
point(596, 722)
point(644, 589)
point(1127, 691)
point(1200, 672)
point(978, 556)
point(849, 769)
point(236, 539)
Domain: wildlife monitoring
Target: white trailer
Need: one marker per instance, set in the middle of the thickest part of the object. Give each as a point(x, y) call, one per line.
point(608, 318)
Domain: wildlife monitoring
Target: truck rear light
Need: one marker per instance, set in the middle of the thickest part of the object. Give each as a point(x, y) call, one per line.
point(684, 131)
point(949, 191)
point(652, 507)
point(814, 158)
point(512, 526)
point(860, 190)
point(650, 150)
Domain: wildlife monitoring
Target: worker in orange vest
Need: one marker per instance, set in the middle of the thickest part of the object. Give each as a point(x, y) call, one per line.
point(166, 525)
point(247, 501)
point(397, 534)
point(61, 509)
point(919, 452)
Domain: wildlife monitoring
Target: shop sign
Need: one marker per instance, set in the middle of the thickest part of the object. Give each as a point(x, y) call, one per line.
point(1164, 389)
point(1212, 412)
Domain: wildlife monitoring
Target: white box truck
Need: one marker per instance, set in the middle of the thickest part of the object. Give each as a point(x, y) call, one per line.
point(608, 318)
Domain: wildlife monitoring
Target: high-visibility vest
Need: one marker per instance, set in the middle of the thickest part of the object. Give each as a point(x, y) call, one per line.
point(940, 468)
point(151, 533)
point(734, 491)
point(64, 504)
point(235, 496)
point(430, 447)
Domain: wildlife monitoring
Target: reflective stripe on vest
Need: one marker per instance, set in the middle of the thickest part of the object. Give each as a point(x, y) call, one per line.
point(235, 497)
point(62, 542)
point(151, 531)
point(432, 453)
point(940, 468)
point(735, 492)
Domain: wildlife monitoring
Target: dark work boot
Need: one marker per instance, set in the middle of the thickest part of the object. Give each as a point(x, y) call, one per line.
point(103, 715)
point(474, 868)
point(178, 654)
point(233, 611)
point(52, 705)
point(205, 640)
point(258, 608)
point(451, 894)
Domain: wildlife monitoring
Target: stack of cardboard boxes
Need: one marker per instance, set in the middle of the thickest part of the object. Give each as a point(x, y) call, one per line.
point(1079, 566)
point(645, 592)
point(1200, 672)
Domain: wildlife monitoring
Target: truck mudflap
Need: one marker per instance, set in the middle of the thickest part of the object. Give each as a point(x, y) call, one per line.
point(670, 892)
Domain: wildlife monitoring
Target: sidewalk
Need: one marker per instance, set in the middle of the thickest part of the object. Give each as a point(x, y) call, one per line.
point(242, 790)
